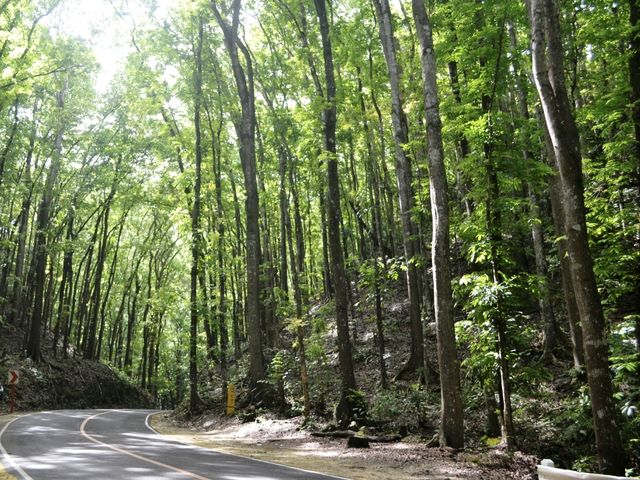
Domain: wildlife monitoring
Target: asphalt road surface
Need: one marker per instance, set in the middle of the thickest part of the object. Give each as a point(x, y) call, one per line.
point(119, 445)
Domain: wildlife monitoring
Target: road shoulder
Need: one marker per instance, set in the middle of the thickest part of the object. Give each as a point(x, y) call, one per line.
point(267, 440)
point(4, 420)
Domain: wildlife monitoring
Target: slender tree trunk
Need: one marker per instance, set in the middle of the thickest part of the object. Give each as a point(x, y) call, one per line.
point(110, 281)
point(146, 327)
point(405, 190)
point(388, 205)
point(17, 307)
point(493, 220)
point(49, 296)
point(246, 129)
point(550, 328)
point(634, 80)
point(222, 274)
point(65, 284)
point(326, 263)
point(544, 293)
point(345, 408)
point(297, 294)
point(205, 306)
point(297, 220)
point(268, 280)
point(363, 230)
point(297, 271)
point(548, 70)
point(90, 351)
point(236, 288)
point(284, 209)
point(148, 373)
point(84, 312)
point(126, 295)
point(42, 224)
point(196, 239)
point(374, 200)
point(132, 314)
point(142, 375)
point(451, 411)
point(557, 212)
point(300, 23)
point(571, 306)
point(131, 325)
point(222, 305)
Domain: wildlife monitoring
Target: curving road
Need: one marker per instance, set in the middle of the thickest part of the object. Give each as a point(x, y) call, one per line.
point(119, 445)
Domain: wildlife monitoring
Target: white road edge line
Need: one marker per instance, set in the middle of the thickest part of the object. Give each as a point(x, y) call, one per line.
point(233, 454)
point(131, 454)
point(5, 455)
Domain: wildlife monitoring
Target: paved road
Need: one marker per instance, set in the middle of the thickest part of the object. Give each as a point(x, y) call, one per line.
point(119, 445)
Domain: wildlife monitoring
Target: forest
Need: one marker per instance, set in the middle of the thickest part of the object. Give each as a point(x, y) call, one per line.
point(269, 194)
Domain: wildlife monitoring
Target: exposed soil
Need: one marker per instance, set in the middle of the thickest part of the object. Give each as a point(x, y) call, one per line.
point(285, 442)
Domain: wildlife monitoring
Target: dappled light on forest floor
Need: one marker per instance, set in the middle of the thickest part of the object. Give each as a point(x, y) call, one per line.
point(282, 441)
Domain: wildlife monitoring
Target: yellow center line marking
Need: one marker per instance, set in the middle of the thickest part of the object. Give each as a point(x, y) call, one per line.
point(131, 454)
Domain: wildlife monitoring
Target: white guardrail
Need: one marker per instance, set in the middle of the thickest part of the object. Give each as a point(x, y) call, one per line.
point(547, 471)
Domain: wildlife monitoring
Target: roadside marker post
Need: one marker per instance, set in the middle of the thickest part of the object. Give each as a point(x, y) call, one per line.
point(231, 399)
point(14, 376)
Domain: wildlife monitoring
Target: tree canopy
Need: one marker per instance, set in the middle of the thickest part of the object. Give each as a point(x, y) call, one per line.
point(258, 188)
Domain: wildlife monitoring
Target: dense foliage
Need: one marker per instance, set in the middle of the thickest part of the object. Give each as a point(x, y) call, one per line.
point(256, 190)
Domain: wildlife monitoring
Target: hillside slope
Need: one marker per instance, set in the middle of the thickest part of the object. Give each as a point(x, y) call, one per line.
point(63, 383)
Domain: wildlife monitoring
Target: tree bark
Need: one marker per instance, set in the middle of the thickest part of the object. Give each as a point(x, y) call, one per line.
point(132, 314)
point(65, 285)
point(110, 281)
point(345, 408)
point(268, 272)
point(196, 234)
point(557, 212)
point(405, 191)
point(284, 209)
point(634, 80)
point(42, 224)
point(17, 308)
point(548, 70)
point(550, 329)
point(297, 271)
point(246, 129)
point(221, 229)
point(373, 187)
point(239, 331)
point(90, 351)
point(451, 411)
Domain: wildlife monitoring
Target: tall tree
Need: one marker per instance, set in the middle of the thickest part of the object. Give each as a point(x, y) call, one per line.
point(345, 408)
point(196, 233)
point(548, 70)
point(451, 412)
point(43, 223)
point(246, 131)
point(405, 185)
point(634, 79)
point(90, 351)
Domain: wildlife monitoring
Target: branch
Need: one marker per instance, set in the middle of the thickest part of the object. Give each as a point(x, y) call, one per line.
point(16, 81)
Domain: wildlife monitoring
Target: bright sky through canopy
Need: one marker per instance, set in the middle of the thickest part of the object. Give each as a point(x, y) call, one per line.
point(106, 27)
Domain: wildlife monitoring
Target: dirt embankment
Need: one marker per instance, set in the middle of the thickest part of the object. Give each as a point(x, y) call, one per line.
point(284, 442)
point(63, 383)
